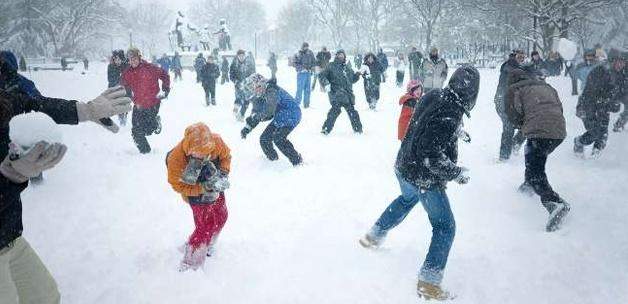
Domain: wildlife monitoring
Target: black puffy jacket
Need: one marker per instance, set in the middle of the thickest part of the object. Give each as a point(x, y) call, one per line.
point(341, 78)
point(429, 152)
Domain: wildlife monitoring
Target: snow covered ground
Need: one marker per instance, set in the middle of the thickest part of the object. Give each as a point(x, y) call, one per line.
point(107, 224)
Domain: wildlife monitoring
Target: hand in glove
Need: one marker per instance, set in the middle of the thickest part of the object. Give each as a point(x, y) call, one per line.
point(164, 94)
point(111, 102)
point(327, 88)
point(463, 177)
point(218, 183)
point(245, 131)
point(41, 157)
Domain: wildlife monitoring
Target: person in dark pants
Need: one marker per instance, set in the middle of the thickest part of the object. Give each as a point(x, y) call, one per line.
point(509, 141)
point(176, 66)
point(208, 73)
point(534, 107)
point(426, 162)
point(372, 79)
point(383, 61)
point(272, 65)
point(603, 93)
point(224, 70)
point(272, 102)
point(338, 79)
point(114, 73)
point(142, 78)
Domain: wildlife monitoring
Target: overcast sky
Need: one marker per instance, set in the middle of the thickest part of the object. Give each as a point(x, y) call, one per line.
point(272, 6)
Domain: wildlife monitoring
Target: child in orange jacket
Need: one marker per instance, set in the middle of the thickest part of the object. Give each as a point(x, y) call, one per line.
point(408, 101)
point(198, 168)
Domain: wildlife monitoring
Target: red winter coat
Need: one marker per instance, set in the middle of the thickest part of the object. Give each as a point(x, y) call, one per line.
point(143, 82)
point(407, 102)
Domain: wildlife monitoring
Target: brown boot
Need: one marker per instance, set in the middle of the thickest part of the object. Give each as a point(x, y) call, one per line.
point(430, 291)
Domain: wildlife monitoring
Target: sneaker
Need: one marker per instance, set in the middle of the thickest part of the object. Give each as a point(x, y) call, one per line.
point(158, 128)
point(368, 241)
point(430, 291)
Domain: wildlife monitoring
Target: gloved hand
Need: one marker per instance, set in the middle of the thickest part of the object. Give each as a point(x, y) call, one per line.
point(463, 177)
point(245, 131)
point(218, 183)
point(111, 102)
point(41, 157)
point(327, 88)
point(166, 92)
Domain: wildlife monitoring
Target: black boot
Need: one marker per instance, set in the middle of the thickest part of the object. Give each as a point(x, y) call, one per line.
point(557, 211)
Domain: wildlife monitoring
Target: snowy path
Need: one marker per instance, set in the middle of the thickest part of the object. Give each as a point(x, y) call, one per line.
point(108, 225)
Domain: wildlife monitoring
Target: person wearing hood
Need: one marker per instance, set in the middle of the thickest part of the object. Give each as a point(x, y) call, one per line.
point(533, 106)
point(604, 91)
point(338, 79)
point(372, 74)
point(198, 169)
point(24, 276)
point(142, 78)
point(426, 162)
point(199, 62)
point(436, 70)
point(408, 102)
point(11, 80)
point(116, 66)
point(270, 102)
point(510, 141)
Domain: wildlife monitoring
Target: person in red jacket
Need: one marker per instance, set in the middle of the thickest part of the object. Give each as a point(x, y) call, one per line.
point(142, 78)
point(407, 102)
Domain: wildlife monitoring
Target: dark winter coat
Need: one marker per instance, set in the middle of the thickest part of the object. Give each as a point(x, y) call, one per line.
point(304, 61)
point(534, 107)
point(176, 63)
point(604, 91)
point(429, 152)
point(238, 71)
point(114, 74)
point(375, 69)
point(11, 80)
point(502, 86)
point(272, 62)
point(538, 65)
point(164, 63)
point(199, 62)
point(415, 60)
point(224, 67)
point(383, 61)
point(209, 72)
point(341, 78)
point(322, 59)
point(62, 112)
point(278, 105)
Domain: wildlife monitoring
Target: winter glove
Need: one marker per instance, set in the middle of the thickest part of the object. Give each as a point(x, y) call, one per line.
point(41, 157)
point(192, 171)
point(166, 92)
point(218, 183)
point(245, 131)
point(327, 89)
point(463, 177)
point(463, 135)
point(111, 102)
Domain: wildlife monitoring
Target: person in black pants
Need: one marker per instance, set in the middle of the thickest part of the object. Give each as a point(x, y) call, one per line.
point(510, 140)
point(114, 73)
point(208, 75)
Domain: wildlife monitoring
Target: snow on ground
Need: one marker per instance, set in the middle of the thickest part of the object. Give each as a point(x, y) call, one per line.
point(107, 224)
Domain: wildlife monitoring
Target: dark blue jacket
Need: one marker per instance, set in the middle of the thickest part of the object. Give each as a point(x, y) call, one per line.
point(164, 63)
point(278, 105)
point(10, 80)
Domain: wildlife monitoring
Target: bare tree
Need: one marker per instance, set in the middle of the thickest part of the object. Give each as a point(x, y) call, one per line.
point(427, 12)
point(334, 15)
point(149, 24)
point(297, 24)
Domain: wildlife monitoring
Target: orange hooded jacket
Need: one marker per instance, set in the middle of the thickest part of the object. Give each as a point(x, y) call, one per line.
point(198, 142)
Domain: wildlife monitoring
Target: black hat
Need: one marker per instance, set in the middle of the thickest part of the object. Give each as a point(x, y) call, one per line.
point(305, 44)
point(240, 52)
point(534, 53)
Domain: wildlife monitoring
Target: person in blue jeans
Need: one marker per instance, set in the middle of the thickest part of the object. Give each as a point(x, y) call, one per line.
point(426, 162)
point(304, 62)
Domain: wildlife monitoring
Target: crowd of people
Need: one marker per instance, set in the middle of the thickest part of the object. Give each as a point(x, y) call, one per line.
point(429, 127)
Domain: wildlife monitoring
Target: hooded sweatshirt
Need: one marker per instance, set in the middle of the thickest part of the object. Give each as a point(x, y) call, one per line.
point(10, 80)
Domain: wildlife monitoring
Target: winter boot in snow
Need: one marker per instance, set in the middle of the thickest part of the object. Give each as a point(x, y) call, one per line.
point(430, 291)
point(596, 153)
point(526, 189)
point(158, 125)
point(557, 210)
point(213, 101)
point(370, 242)
point(193, 258)
point(578, 147)
point(207, 101)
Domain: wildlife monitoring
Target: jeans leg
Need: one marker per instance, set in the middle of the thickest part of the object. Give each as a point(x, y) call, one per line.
point(285, 146)
point(266, 141)
point(397, 211)
point(436, 205)
point(299, 94)
point(307, 88)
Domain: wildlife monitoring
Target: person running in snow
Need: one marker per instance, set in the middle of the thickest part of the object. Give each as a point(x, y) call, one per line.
point(400, 66)
point(208, 74)
point(198, 169)
point(142, 78)
point(338, 79)
point(272, 65)
point(116, 66)
point(304, 62)
point(534, 107)
point(270, 102)
point(408, 102)
point(603, 93)
point(426, 162)
point(199, 62)
point(415, 59)
point(165, 63)
point(510, 141)
point(383, 62)
point(24, 276)
point(224, 70)
point(176, 66)
point(372, 76)
point(436, 70)
point(238, 71)
point(322, 60)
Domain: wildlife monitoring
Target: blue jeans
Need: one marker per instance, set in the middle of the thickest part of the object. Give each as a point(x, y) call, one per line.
point(304, 88)
point(436, 204)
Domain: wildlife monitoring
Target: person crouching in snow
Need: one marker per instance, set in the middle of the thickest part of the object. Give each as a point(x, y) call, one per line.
point(272, 102)
point(407, 103)
point(426, 162)
point(198, 168)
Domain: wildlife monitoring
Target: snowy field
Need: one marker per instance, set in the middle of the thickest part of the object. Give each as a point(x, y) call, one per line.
point(107, 223)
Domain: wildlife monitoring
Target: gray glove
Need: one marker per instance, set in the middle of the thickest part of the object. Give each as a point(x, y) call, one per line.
point(111, 102)
point(463, 177)
point(41, 157)
point(218, 183)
